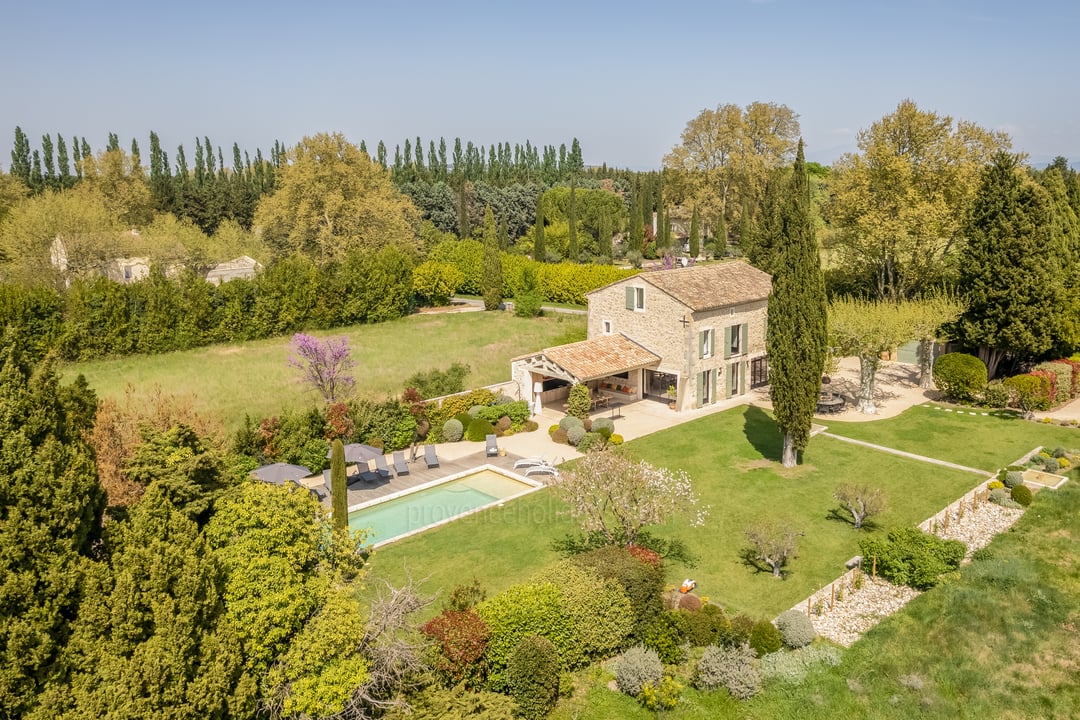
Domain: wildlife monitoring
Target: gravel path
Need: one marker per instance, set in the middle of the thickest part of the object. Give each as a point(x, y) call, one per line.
point(862, 609)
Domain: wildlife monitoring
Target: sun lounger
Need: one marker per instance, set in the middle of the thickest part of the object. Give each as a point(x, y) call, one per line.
point(430, 457)
point(320, 492)
point(542, 470)
point(400, 466)
point(529, 462)
point(492, 446)
point(381, 468)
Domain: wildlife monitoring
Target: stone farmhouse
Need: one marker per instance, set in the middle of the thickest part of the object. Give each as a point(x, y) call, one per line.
point(696, 331)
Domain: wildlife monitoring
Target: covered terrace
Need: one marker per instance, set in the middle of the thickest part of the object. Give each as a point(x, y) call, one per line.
point(612, 366)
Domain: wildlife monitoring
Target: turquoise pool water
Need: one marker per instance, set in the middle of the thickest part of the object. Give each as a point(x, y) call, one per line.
point(434, 505)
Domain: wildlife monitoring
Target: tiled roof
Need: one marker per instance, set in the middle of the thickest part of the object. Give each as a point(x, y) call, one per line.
point(705, 287)
point(600, 356)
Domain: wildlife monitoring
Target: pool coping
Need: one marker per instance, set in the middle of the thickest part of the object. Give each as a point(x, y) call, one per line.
point(533, 487)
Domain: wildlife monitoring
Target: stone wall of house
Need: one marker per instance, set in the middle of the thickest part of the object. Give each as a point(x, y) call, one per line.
point(660, 329)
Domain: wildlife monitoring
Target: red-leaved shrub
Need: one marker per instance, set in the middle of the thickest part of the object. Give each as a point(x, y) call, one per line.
point(461, 638)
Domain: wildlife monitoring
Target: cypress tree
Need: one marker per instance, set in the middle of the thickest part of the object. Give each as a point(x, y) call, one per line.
point(1011, 275)
point(695, 234)
point(539, 248)
point(637, 224)
point(464, 230)
point(504, 234)
point(572, 251)
point(795, 336)
point(491, 272)
point(721, 240)
point(604, 239)
point(339, 496)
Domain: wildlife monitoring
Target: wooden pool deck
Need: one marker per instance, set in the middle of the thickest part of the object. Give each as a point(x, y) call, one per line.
point(419, 474)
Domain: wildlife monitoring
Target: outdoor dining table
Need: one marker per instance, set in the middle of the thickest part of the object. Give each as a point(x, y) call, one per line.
point(828, 404)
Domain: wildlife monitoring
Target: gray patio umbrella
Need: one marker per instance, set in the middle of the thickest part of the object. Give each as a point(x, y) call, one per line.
point(280, 473)
point(358, 453)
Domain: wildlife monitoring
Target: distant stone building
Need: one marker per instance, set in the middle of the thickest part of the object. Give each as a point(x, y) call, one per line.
point(241, 267)
point(699, 330)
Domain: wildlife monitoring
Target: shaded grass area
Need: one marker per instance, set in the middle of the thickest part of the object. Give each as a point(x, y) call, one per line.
point(999, 641)
point(988, 442)
point(732, 459)
point(252, 378)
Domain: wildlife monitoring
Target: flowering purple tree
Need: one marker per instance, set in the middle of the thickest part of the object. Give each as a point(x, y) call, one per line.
point(325, 364)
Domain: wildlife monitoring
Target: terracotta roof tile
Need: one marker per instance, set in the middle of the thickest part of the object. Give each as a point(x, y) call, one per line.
point(705, 287)
point(601, 356)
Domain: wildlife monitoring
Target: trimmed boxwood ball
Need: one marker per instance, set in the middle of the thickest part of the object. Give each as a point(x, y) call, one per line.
point(464, 418)
point(478, 430)
point(604, 426)
point(960, 376)
point(1013, 478)
point(1021, 494)
point(795, 628)
point(532, 672)
point(636, 668)
point(574, 435)
point(765, 638)
point(559, 436)
point(502, 399)
point(452, 430)
point(570, 421)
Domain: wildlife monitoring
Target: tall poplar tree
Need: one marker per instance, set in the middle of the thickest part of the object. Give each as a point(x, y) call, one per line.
point(49, 175)
point(20, 157)
point(63, 161)
point(339, 496)
point(491, 271)
point(796, 335)
point(539, 249)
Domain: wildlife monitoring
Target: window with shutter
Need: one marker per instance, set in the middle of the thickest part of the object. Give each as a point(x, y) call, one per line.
point(629, 298)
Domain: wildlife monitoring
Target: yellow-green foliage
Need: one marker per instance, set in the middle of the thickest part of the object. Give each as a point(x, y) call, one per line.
point(436, 281)
point(518, 612)
point(322, 667)
point(599, 609)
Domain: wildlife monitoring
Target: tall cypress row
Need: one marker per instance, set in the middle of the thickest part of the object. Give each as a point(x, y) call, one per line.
point(795, 337)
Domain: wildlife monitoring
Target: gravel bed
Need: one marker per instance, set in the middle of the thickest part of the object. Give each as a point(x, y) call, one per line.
point(862, 609)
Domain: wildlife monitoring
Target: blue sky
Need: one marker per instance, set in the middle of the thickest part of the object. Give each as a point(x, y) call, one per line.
point(624, 78)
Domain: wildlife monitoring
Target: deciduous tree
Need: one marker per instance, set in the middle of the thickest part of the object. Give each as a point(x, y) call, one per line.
point(899, 203)
point(860, 501)
point(868, 329)
point(617, 497)
point(324, 364)
point(331, 198)
point(771, 544)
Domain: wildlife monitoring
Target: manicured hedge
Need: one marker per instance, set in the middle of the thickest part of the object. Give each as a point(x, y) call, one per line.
point(960, 376)
point(908, 556)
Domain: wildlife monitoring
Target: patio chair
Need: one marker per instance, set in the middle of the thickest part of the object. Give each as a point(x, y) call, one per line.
point(400, 466)
point(430, 457)
point(529, 462)
point(381, 468)
point(492, 446)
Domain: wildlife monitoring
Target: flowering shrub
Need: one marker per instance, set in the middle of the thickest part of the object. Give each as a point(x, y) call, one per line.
point(324, 364)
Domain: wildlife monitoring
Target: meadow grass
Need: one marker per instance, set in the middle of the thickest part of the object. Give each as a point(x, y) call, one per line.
point(731, 458)
point(252, 378)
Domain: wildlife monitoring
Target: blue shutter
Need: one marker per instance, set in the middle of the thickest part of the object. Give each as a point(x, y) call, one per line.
point(629, 298)
point(745, 327)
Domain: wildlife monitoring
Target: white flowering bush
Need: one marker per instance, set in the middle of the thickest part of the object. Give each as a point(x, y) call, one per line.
point(617, 497)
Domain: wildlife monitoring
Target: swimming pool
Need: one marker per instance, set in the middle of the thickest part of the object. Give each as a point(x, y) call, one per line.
point(435, 503)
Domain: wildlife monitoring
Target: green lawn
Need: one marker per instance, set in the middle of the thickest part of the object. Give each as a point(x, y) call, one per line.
point(253, 378)
point(999, 642)
point(988, 442)
point(728, 457)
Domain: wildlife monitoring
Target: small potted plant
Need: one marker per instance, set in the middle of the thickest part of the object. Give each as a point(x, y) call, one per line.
point(671, 395)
